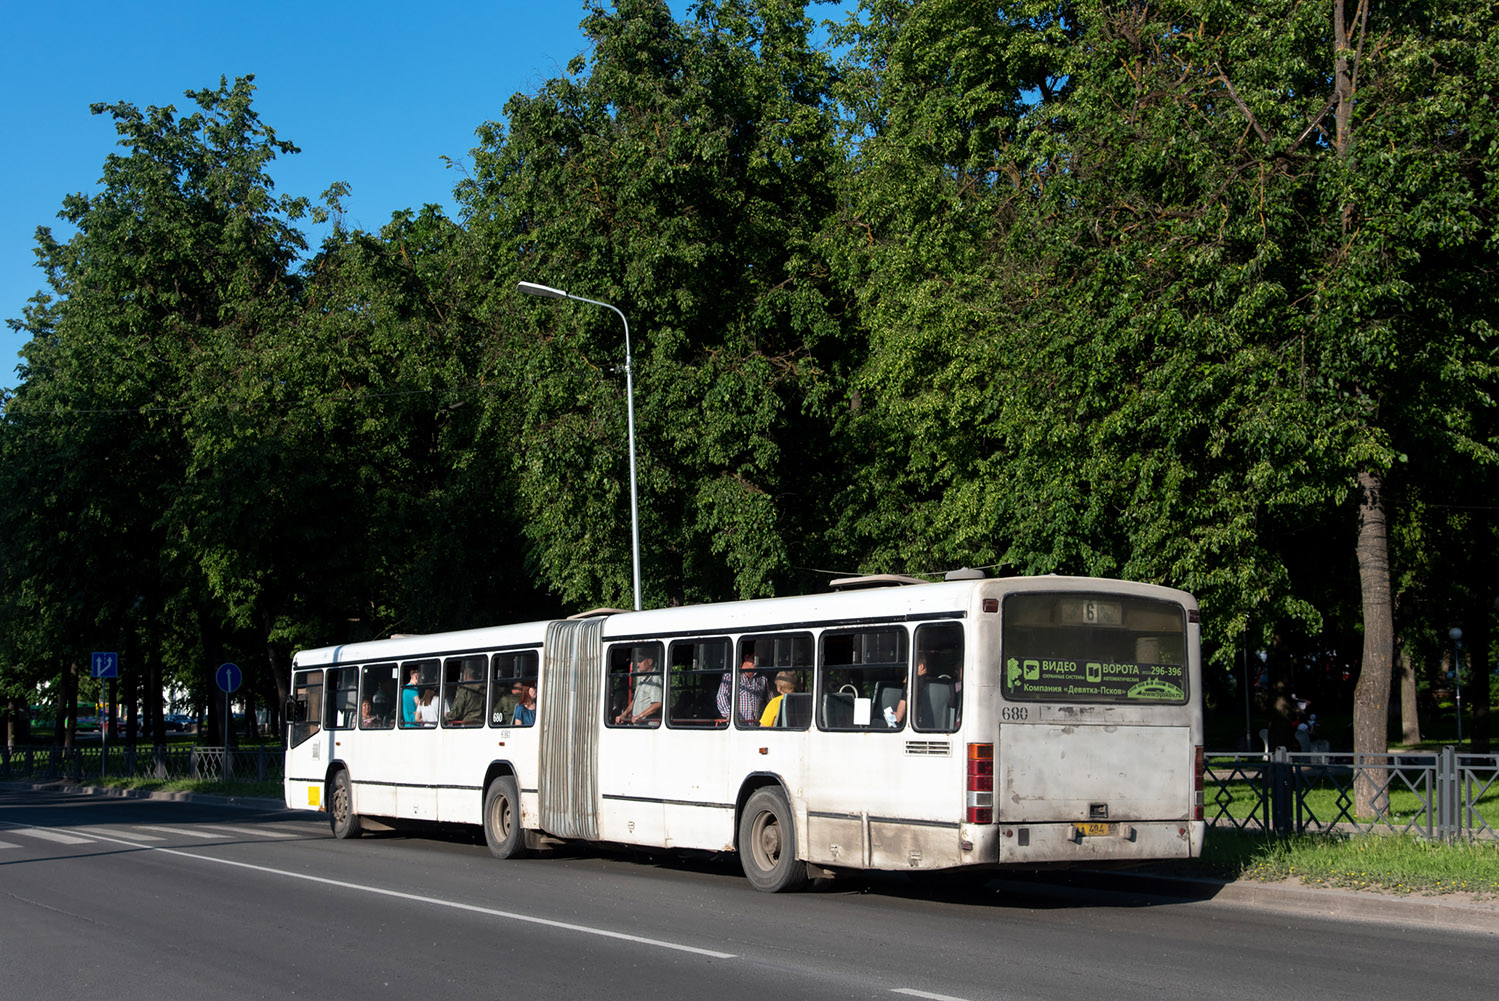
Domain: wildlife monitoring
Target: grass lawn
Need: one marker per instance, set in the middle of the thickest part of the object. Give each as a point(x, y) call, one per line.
point(1388, 863)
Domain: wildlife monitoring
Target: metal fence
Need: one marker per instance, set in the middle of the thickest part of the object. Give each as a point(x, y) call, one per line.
point(1441, 795)
point(161, 761)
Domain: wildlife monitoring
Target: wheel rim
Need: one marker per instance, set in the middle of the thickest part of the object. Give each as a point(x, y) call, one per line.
point(499, 817)
point(340, 803)
point(765, 841)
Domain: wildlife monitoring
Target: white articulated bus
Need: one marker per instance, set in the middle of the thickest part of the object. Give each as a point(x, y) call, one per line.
point(1014, 722)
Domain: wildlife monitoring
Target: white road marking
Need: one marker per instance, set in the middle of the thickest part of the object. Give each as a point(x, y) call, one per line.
point(439, 902)
point(180, 830)
point(132, 835)
point(58, 836)
point(8, 844)
point(259, 832)
point(925, 994)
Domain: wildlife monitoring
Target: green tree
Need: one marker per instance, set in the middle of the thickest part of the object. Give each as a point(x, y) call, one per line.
point(179, 261)
point(681, 173)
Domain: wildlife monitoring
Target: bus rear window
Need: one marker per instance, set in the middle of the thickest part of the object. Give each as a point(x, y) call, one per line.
point(1091, 647)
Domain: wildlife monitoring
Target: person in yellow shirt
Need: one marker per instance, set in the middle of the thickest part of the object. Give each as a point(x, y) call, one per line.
point(785, 682)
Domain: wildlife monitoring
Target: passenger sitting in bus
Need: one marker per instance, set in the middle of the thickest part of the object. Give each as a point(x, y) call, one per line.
point(426, 708)
point(367, 717)
point(645, 705)
point(525, 709)
point(900, 707)
point(502, 710)
point(753, 691)
point(408, 697)
point(468, 704)
point(785, 684)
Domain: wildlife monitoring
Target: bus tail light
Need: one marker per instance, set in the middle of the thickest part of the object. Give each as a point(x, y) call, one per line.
point(980, 788)
point(1197, 784)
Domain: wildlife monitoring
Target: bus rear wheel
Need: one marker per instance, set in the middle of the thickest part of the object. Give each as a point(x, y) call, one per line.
point(502, 829)
point(341, 808)
point(767, 843)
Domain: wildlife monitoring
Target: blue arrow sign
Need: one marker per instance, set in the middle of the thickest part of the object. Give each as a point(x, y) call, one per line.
point(228, 677)
point(105, 665)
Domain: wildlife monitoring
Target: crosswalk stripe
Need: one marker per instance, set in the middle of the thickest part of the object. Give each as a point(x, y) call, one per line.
point(129, 835)
point(259, 832)
point(58, 836)
point(179, 830)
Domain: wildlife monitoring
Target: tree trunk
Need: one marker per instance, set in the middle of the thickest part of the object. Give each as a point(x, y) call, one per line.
point(1410, 722)
point(1372, 694)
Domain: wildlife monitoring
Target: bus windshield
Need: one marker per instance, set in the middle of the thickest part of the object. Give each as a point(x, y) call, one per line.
point(1082, 647)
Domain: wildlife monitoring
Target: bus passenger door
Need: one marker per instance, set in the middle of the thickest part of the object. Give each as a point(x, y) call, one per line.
point(306, 742)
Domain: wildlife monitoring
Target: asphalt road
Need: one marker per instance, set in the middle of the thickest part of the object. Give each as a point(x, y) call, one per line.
point(125, 899)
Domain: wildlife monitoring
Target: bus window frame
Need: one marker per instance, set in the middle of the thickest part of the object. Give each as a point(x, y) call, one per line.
point(453, 680)
point(877, 721)
point(332, 686)
point(918, 649)
point(611, 713)
point(311, 716)
point(528, 663)
point(807, 671)
point(713, 721)
point(429, 674)
point(392, 694)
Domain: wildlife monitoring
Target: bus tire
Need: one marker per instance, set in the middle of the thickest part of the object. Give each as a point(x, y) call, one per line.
point(341, 808)
point(767, 843)
point(502, 829)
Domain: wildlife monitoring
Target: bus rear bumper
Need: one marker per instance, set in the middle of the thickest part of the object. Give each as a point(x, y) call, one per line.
point(1092, 844)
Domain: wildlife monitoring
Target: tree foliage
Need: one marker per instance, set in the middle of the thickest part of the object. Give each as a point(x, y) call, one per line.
point(1195, 294)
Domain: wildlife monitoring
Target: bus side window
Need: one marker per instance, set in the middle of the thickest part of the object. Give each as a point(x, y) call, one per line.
point(343, 698)
point(305, 707)
point(939, 677)
point(862, 684)
point(464, 679)
point(634, 685)
point(510, 675)
point(785, 660)
point(697, 669)
point(379, 690)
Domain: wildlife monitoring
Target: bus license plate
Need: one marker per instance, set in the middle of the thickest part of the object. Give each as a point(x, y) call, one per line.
point(1095, 830)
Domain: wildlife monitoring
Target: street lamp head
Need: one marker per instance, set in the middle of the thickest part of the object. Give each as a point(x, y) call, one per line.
point(1454, 634)
point(544, 291)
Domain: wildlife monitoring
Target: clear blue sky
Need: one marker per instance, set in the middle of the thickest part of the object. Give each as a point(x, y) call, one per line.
point(374, 93)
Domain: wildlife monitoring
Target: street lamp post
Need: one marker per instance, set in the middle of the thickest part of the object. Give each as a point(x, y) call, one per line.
point(547, 292)
point(1456, 635)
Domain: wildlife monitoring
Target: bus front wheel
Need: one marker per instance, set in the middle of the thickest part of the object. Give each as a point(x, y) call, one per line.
point(767, 843)
point(502, 829)
point(341, 809)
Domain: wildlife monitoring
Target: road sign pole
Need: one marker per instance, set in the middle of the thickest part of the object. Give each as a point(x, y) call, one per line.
point(228, 678)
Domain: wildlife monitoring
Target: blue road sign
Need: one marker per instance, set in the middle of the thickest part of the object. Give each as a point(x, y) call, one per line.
point(228, 677)
point(105, 665)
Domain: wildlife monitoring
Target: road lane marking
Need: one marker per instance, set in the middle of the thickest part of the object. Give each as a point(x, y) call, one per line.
point(179, 830)
point(132, 835)
point(58, 836)
point(257, 831)
point(925, 994)
point(8, 844)
point(437, 901)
